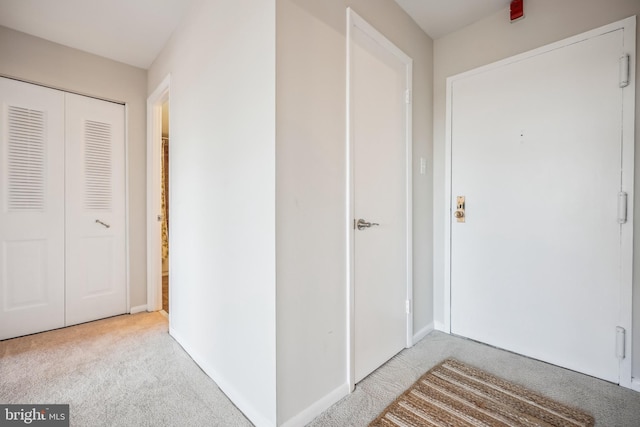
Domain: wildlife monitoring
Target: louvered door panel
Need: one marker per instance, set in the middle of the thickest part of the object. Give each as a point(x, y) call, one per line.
point(32, 209)
point(97, 166)
point(26, 156)
point(95, 244)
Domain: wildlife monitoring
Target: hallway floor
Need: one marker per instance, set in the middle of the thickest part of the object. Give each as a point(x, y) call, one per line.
point(127, 370)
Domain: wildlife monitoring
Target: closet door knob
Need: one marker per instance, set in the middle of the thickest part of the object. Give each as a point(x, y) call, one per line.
point(102, 223)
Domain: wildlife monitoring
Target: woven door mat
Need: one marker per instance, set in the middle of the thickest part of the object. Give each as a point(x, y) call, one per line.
point(455, 394)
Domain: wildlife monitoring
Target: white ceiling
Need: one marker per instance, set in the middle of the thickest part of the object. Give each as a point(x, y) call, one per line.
point(134, 31)
point(129, 31)
point(440, 17)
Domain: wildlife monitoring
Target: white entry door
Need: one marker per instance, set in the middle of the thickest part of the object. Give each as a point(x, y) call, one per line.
point(537, 148)
point(31, 209)
point(95, 220)
point(379, 78)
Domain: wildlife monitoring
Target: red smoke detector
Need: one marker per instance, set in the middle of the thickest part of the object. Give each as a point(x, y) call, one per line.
point(517, 10)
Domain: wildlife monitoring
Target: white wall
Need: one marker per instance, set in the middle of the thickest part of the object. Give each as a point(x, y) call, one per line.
point(495, 38)
point(40, 61)
point(311, 174)
point(222, 235)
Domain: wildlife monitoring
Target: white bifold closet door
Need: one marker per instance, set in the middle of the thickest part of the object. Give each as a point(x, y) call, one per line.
point(32, 212)
point(95, 210)
point(62, 216)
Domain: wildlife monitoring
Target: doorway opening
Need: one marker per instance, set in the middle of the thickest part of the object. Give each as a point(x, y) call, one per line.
point(164, 201)
point(158, 181)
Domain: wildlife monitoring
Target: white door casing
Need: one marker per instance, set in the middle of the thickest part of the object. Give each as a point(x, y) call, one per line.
point(95, 219)
point(32, 209)
point(540, 145)
point(379, 191)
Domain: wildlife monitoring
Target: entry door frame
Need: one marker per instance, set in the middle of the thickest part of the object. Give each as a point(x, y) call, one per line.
point(355, 21)
point(154, 177)
point(627, 176)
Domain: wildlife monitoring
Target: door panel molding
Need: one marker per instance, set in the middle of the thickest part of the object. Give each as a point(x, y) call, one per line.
point(354, 21)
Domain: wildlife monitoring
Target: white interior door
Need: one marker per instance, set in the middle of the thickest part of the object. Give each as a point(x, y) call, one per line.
point(378, 123)
point(32, 209)
point(536, 150)
point(95, 218)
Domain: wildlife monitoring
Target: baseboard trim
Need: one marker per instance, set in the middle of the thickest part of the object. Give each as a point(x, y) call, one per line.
point(138, 309)
point(422, 333)
point(307, 415)
point(635, 384)
point(231, 392)
point(439, 326)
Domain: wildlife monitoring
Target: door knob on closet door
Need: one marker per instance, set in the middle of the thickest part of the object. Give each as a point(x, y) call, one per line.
point(102, 223)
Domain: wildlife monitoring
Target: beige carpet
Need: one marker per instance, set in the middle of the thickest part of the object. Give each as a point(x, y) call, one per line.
point(453, 393)
point(125, 371)
point(128, 371)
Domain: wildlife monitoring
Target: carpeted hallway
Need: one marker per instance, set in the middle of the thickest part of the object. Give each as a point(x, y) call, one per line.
point(128, 371)
point(121, 371)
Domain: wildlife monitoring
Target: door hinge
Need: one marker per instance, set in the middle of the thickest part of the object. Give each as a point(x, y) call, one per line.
point(620, 342)
point(622, 207)
point(408, 306)
point(407, 96)
point(624, 70)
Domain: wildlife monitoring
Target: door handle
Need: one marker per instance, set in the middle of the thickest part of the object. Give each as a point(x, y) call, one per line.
point(459, 213)
point(362, 224)
point(102, 223)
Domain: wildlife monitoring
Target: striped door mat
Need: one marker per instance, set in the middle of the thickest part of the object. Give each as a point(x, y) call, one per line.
point(455, 394)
